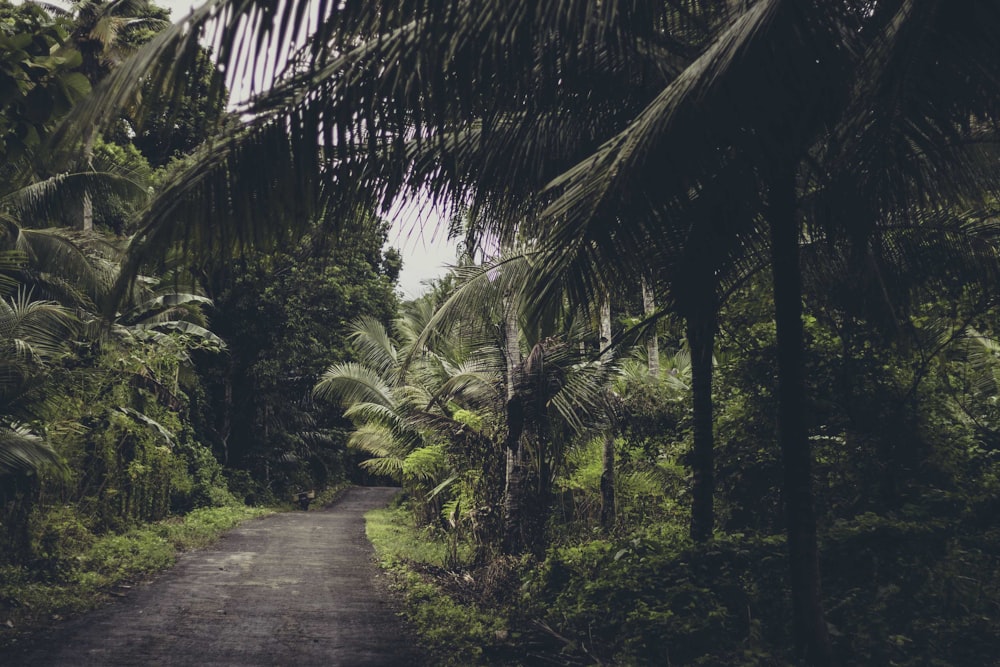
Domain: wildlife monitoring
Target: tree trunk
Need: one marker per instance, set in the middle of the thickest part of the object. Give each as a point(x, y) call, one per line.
point(227, 413)
point(608, 500)
point(701, 342)
point(87, 213)
point(606, 329)
point(516, 479)
point(652, 345)
point(812, 641)
point(515, 541)
point(87, 208)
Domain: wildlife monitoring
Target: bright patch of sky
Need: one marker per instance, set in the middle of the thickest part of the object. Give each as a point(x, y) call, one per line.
point(421, 235)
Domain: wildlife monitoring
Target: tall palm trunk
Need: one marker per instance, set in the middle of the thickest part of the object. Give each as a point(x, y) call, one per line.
point(652, 345)
point(812, 641)
point(516, 477)
point(608, 499)
point(87, 207)
point(700, 332)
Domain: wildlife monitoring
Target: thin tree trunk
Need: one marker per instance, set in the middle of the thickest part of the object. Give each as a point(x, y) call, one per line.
point(652, 345)
point(87, 212)
point(701, 342)
point(606, 329)
point(812, 641)
point(227, 414)
point(515, 482)
point(608, 500)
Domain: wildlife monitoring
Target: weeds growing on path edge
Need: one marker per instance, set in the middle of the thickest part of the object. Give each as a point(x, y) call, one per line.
point(105, 567)
point(455, 633)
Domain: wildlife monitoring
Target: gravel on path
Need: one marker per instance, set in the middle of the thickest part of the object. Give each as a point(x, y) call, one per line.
point(291, 589)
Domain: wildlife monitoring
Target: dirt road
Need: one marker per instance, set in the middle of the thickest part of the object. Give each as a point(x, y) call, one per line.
point(292, 589)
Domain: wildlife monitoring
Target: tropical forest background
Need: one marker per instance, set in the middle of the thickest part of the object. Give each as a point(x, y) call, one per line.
point(714, 380)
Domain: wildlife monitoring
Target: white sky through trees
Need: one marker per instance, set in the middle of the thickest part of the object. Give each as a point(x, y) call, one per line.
point(419, 232)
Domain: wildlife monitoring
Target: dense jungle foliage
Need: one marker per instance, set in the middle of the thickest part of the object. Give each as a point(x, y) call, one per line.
point(194, 395)
point(716, 382)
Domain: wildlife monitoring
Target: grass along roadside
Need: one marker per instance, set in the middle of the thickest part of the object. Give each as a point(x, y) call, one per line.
point(107, 565)
point(455, 633)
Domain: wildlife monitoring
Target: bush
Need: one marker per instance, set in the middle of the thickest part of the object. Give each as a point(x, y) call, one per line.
point(657, 600)
point(59, 535)
point(458, 634)
point(906, 592)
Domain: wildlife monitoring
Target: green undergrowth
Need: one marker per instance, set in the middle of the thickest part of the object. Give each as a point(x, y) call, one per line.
point(455, 632)
point(898, 591)
point(105, 566)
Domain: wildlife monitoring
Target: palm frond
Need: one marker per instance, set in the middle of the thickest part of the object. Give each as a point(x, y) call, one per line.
point(58, 199)
point(70, 257)
point(376, 413)
point(480, 288)
point(35, 329)
point(21, 451)
point(474, 384)
point(377, 349)
point(351, 383)
point(156, 426)
point(153, 307)
point(203, 336)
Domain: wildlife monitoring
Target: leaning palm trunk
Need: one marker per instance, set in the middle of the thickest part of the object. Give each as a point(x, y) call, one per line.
point(701, 341)
point(811, 638)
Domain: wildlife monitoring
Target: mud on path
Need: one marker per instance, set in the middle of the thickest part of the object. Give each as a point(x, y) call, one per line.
point(293, 589)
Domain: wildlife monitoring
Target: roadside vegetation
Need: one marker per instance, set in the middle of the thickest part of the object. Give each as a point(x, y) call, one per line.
point(909, 576)
point(143, 414)
point(83, 571)
point(715, 381)
point(454, 631)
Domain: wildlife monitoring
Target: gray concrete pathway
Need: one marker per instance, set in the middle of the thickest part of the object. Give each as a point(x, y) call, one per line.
point(292, 589)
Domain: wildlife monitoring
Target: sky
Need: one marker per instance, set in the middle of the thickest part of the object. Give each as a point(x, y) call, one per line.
point(420, 237)
point(422, 240)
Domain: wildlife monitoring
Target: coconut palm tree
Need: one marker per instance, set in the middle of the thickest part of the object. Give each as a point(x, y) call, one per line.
point(405, 413)
point(553, 391)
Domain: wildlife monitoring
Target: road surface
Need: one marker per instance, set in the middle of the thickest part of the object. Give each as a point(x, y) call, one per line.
point(292, 589)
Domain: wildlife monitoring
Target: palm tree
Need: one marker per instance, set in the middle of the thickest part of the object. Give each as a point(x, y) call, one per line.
point(553, 392)
point(104, 32)
point(70, 266)
point(32, 335)
point(665, 128)
point(404, 413)
point(762, 94)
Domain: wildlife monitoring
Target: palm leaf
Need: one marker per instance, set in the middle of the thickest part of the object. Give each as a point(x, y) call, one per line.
point(21, 451)
point(351, 383)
